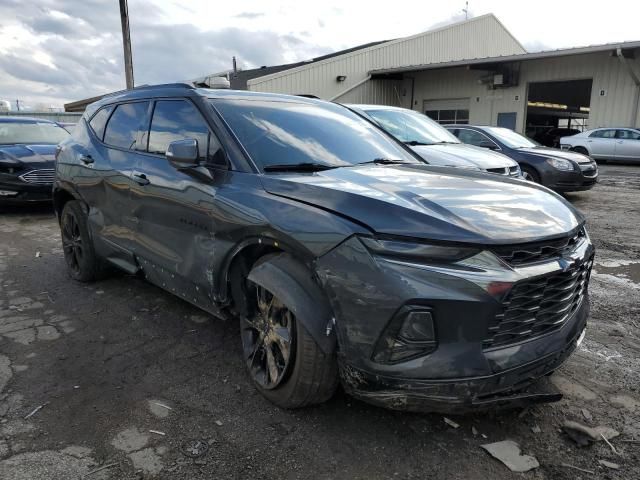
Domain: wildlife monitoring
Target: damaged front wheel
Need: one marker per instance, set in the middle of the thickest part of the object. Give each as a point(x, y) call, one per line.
point(285, 363)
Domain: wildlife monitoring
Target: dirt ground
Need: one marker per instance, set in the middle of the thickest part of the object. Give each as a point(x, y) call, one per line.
point(120, 380)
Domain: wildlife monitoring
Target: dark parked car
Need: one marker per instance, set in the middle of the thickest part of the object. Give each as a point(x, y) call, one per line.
point(559, 170)
point(434, 143)
point(551, 137)
point(27, 149)
point(344, 256)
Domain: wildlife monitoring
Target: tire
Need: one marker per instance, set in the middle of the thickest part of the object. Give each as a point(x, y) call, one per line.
point(83, 264)
point(530, 174)
point(283, 360)
point(581, 150)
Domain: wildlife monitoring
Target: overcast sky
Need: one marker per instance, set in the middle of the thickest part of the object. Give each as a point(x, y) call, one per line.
point(56, 51)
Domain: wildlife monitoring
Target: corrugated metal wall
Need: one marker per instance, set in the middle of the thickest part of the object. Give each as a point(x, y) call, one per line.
point(53, 116)
point(614, 109)
point(479, 37)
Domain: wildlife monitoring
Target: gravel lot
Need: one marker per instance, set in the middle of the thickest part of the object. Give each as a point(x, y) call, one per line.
point(136, 382)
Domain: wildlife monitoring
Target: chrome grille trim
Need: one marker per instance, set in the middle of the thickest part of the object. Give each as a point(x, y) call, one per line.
point(43, 176)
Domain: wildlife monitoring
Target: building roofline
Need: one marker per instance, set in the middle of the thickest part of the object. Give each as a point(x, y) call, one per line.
point(258, 80)
point(561, 52)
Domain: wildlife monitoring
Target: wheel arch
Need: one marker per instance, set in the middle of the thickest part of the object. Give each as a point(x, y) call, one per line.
point(277, 259)
point(60, 198)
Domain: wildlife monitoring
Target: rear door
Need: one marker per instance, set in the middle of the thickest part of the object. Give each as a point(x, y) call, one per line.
point(109, 183)
point(602, 143)
point(175, 210)
point(627, 144)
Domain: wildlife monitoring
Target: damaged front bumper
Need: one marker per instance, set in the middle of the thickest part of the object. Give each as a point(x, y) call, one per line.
point(516, 387)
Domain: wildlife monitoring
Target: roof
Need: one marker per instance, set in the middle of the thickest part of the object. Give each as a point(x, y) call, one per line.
point(240, 78)
point(21, 119)
point(561, 52)
point(452, 40)
point(186, 90)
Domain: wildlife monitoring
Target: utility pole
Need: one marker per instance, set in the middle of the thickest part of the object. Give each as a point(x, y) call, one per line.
point(17, 104)
point(126, 43)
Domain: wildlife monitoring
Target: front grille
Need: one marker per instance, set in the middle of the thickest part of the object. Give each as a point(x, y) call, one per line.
point(499, 171)
point(538, 251)
point(539, 306)
point(39, 177)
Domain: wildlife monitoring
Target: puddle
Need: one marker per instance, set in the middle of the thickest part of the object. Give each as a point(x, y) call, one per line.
point(628, 269)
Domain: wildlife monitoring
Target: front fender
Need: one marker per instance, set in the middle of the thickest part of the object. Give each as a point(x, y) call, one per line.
point(293, 283)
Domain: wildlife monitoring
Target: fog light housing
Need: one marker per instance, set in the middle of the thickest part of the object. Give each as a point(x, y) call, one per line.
point(410, 334)
point(7, 193)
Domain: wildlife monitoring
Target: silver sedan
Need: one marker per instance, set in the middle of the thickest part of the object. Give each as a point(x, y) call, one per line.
point(606, 143)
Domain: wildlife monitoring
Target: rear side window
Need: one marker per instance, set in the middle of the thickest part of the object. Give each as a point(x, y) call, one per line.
point(99, 121)
point(123, 126)
point(176, 120)
point(628, 135)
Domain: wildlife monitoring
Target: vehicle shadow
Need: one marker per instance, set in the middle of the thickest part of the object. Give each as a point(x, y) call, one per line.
point(40, 209)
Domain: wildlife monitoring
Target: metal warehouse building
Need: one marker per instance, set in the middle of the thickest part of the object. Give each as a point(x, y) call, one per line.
point(477, 72)
point(474, 71)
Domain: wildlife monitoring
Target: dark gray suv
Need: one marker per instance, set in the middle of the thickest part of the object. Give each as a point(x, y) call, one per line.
point(344, 256)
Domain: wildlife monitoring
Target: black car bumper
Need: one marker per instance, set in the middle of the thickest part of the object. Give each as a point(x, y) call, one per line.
point(14, 191)
point(512, 388)
point(573, 181)
point(488, 353)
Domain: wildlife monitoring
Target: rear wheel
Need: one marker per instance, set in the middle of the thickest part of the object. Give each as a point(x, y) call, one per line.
point(530, 174)
point(82, 262)
point(282, 359)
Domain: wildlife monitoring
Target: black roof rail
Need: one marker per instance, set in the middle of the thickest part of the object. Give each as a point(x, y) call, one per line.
point(151, 87)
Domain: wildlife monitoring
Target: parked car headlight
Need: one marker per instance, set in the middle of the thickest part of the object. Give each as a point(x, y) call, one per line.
point(560, 164)
point(418, 251)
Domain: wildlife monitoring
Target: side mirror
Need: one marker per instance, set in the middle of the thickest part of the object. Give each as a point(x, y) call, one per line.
point(183, 153)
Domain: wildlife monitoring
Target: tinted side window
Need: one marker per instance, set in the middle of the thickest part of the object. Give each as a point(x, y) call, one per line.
point(123, 126)
point(176, 120)
point(99, 121)
point(473, 138)
point(603, 134)
point(628, 135)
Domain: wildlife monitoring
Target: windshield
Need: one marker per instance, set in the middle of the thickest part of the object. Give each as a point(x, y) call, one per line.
point(510, 138)
point(38, 133)
point(411, 127)
point(291, 133)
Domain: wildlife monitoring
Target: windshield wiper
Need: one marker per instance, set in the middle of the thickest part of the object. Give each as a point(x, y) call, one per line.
point(298, 167)
point(384, 161)
point(415, 143)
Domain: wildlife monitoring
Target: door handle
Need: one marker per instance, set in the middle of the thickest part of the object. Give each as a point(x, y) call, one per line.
point(86, 159)
point(140, 179)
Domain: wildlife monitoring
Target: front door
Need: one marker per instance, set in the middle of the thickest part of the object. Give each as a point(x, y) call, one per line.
point(602, 143)
point(175, 210)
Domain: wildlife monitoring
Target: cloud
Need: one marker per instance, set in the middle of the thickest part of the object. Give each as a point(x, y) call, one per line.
point(63, 51)
point(249, 15)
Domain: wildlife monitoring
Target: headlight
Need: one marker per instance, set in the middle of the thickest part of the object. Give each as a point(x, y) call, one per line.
point(560, 164)
point(418, 251)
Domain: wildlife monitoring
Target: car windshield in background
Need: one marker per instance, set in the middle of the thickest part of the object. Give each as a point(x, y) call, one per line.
point(292, 133)
point(38, 133)
point(412, 127)
point(511, 139)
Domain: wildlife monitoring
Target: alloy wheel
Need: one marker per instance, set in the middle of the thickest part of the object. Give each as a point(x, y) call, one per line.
point(268, 339)
point(72, 241)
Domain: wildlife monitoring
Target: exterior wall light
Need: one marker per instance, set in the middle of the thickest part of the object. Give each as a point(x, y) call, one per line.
point(341, 78)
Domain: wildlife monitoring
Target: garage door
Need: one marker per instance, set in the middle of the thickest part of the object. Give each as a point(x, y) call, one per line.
point(450, 110)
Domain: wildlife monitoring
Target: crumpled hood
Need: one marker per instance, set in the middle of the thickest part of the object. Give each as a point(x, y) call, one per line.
point(557, 153)
point(433, 203)
point(28, 154)
point(461, 155)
